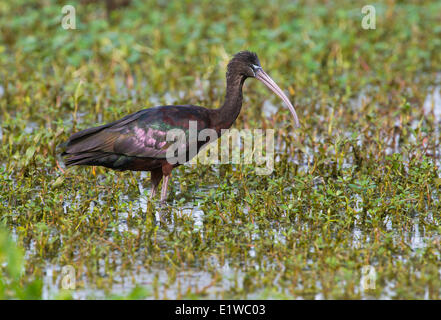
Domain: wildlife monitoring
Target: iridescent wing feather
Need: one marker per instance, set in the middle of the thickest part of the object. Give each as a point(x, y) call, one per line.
point(139, 135)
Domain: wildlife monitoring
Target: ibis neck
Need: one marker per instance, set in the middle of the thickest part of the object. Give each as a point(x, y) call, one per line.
point(229, 111)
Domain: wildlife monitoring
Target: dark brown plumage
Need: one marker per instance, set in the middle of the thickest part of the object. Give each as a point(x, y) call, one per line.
point(138, 141)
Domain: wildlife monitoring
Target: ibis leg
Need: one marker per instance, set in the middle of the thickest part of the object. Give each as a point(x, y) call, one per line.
point(164, 188)
point(155, 179)
point(166, 172)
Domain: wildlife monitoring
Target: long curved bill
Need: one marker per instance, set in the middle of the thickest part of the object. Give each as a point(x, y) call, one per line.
point(262, 76)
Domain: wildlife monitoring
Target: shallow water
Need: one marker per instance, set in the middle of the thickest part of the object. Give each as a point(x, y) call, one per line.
point(198, 279)
point(194, 279)
point(432, 103)
point(226, 278)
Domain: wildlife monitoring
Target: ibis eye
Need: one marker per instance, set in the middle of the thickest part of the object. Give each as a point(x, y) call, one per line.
point(255, 67)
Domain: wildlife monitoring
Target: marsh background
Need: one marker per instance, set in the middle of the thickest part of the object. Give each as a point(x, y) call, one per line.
point(357, 185)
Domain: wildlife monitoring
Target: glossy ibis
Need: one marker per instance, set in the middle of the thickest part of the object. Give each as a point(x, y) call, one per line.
point(138, 141)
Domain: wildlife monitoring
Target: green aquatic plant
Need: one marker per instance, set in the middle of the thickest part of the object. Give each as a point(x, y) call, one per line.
point(357, 186)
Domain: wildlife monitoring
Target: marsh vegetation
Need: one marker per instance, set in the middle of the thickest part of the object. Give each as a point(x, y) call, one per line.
point(357, 185)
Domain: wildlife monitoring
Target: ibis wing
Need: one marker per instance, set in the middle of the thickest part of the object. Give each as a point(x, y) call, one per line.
point(139, 141)
point(143, 134)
